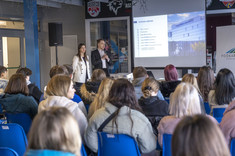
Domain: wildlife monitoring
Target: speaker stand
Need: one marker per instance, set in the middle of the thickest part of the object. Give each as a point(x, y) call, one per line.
point(56, 55)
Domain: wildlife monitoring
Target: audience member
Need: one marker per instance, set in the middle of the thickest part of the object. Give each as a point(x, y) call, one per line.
point(205, 80)
point(152, 107)
point(59, 92)
point(190, 78)
point(101, 96)
point(3, 79)
point(64, 70)
point(227, 124)
point(198, 136)
point(184, 101)
point(89, 89)
point(224, 89)
point(54, 132)
point(171, 80)
point(139, 75)
point(128, 120)
point(81, 68)
point(16, 99)
point(34, 91)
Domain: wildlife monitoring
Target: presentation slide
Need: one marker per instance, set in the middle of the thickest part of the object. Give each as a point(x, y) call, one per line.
point(177, 39)
point(151, 39)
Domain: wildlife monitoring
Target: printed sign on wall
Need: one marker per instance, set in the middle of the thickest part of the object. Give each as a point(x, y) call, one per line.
point(219, 4)
point(111, 8)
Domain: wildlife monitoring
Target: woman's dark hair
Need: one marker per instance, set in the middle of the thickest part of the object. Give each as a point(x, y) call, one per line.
point(25, 71)
point(17, 84)
point(121, 94)
point(79, 55)
point(205, 80)
point(224, 87)
point(170, 73)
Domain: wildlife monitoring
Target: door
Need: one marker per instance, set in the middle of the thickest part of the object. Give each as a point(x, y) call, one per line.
point(12, 50)
point(116, 33)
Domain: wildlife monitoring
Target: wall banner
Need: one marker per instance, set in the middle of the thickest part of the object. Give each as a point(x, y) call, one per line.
point(220, 4)
point(108, 8)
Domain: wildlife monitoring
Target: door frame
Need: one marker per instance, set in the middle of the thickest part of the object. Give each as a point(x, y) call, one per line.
point(88, 36)
point(14, 33)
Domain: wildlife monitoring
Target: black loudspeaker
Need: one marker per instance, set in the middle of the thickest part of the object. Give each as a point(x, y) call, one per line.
point(55, 34)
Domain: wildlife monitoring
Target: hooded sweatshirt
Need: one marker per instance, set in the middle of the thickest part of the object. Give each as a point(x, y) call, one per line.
point(73, 107)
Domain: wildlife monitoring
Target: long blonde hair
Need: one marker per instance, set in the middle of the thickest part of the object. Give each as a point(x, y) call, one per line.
point(56, 129)
point(58, 85)
point(190, 78)
point(102, 94)
point(184, 101)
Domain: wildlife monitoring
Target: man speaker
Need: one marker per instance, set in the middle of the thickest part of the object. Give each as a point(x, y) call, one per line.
point(101, 59)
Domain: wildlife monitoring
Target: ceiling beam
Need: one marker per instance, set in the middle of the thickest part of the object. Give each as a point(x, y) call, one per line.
point(41, 2)
point(71, 2)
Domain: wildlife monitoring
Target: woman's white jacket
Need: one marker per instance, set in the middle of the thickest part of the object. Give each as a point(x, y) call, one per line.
point(79, 70)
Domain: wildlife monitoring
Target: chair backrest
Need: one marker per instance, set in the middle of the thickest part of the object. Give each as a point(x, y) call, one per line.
point(5, 151)
point(232, 147)
point(13, 136)
point(83, 151)
point(22, 119)
point(166, 145)
point(207, 108)
point(218, 113)
point(167, 99)
point(116, 145)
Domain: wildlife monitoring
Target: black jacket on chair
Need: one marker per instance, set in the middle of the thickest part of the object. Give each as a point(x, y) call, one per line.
point(96, 59)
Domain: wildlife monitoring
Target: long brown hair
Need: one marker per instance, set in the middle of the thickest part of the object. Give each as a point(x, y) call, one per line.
point(79, 54)
point(17, 84)
point(198, 136)
point(205, 80)
point(122, 93)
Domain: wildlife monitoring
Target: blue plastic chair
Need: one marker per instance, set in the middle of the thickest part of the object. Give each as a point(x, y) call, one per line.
point(167, 99)
point(116, 145)
point(166, 145)
point(5, 151)
point(207, 108)
point(20, 118)
point(13, 136)
point(218, 113)
point(232, 147)
point(83, 151)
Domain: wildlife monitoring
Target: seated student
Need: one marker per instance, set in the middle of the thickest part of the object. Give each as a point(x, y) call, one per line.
point(184, 101)
point(205, 80)
point(224, 91)
point(152, 107)
point(101, 96)
point(33, 89)
point(89, 89)
point(227, 124)
point(62, 70)
point(139, 75)
point(69, 68)
point(129, 119)
point(198, 136)
point(59, 92)
point(3, 79)
point(16, 99)
point(190, 78)
point(54, 131)
point(171, 80)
